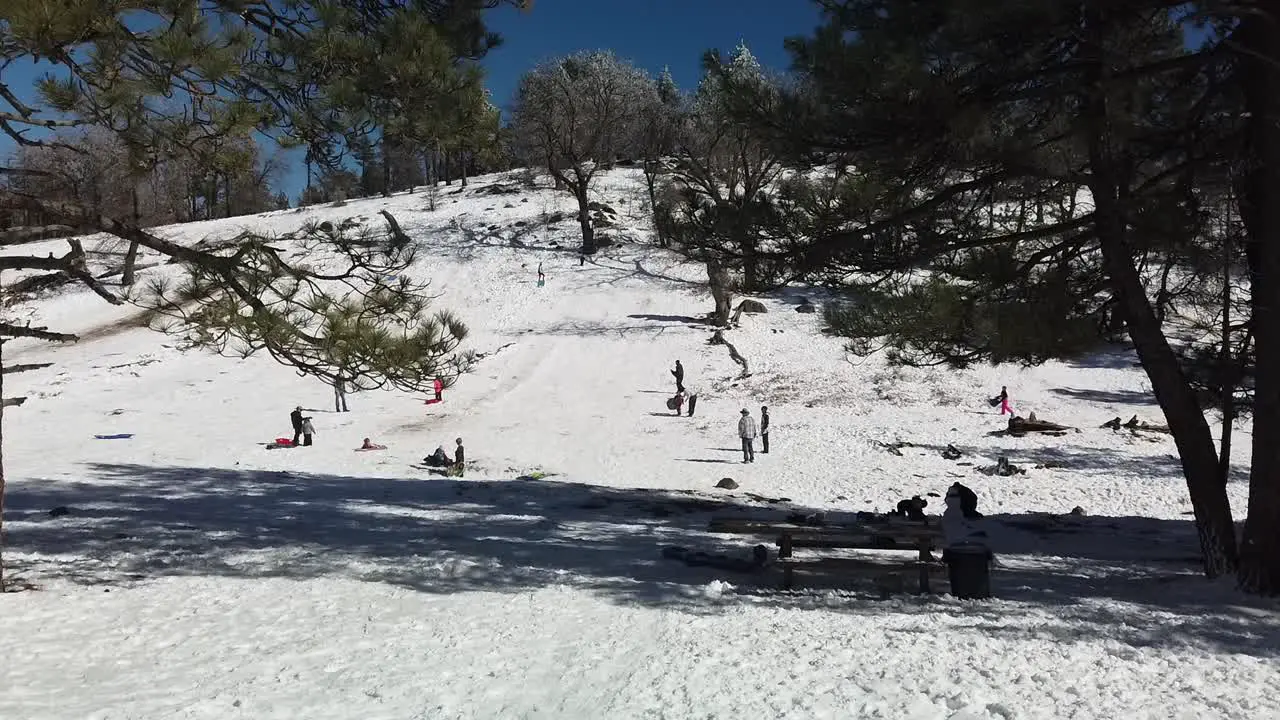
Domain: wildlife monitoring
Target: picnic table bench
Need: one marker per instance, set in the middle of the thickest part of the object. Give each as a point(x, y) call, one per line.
point(921, 539)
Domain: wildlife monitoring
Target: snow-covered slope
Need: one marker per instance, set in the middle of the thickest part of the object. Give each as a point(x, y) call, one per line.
point(199, 575)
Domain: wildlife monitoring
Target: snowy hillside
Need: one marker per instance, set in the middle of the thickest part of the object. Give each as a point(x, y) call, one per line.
point(198, 575)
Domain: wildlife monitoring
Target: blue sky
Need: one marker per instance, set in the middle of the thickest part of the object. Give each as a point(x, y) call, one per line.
point(650, 33)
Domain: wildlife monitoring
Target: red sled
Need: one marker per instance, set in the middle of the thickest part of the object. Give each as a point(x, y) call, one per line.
point(432, 401)
point(285, 442)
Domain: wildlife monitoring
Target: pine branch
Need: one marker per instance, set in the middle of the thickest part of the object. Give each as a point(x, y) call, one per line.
point(72, 264)
point(39, 333)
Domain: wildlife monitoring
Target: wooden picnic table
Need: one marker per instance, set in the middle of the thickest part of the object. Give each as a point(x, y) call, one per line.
point(910, 536)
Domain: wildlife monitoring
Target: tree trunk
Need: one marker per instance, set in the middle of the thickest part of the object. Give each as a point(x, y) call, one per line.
point(339, 396)
point(584, 219)
point(651, 184)
point(386, 168)
point(1227, 373)
point(718, 277)
point(2, 537)
point(462, 167)
point(131, 256)
point(1173, 392)
point(1260, 51)
point(751, 281)
point(226, 192)
point(448, 179)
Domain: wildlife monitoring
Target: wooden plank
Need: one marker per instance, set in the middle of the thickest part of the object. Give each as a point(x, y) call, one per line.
point(863, 542)
point(765, 527)
point(859, 562)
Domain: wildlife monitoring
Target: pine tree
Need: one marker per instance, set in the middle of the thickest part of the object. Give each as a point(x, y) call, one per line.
point(716, 207)
point(1015, 177)
point(657, 140)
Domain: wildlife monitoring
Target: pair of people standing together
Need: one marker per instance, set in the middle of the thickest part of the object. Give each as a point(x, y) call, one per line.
point(748, 431)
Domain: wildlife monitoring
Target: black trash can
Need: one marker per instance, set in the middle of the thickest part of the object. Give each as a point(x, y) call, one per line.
point(969, 568)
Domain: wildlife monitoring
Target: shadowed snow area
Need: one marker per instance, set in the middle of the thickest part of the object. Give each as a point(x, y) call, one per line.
point(196, 574)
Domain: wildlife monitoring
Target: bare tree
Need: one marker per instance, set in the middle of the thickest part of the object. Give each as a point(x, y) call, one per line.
point(575, 116)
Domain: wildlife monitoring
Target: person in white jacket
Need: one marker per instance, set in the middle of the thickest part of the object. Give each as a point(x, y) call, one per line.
point(307, 431)
point(748, 432)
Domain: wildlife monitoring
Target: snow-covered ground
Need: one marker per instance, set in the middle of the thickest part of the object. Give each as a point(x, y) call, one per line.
point(198, 575)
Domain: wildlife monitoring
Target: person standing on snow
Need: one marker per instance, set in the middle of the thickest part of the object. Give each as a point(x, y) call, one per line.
point(439, 388)
point(459, 460)
point(296, 420)
point(679, 376)
point(693, 399)
point(307, 431)
point(1004, 401)
point(748, 432)
point(764, 429)
point(541, 278)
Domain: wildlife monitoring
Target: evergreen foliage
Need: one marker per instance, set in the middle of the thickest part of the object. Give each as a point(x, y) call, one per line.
point(1017, 181)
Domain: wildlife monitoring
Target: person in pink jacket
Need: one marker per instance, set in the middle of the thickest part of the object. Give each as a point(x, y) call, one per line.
point(439, 387)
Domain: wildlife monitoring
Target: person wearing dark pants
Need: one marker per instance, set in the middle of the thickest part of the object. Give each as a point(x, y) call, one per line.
point(307, 431)
point(747, 431)
point(678, 373)
point(295, 419)
point(459, 460)
point(693, 401)
point(764, 430)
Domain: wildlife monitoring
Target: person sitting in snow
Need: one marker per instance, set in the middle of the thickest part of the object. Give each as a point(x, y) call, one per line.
point(439, 458)
point(367, 445)
point(678, 401)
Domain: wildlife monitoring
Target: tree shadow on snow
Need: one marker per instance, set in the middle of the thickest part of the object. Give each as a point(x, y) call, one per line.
point(1057, 453)
point(1117, 356)
point(670, 318)
point(1112, 397)
point(1100, 576)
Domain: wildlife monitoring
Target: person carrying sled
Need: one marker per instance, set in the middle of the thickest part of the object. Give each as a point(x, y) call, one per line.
point(1004, 401)
point(747, 431)
point(677, 402)
point(678, 374)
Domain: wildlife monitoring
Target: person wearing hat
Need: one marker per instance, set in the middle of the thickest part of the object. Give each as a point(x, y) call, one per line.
point(296, 419)
point(748, 432)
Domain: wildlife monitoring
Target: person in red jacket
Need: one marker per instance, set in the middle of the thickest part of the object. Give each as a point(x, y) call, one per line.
point(439, 386)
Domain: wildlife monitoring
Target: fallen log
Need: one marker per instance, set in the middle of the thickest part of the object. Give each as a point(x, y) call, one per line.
point(1022, 426)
